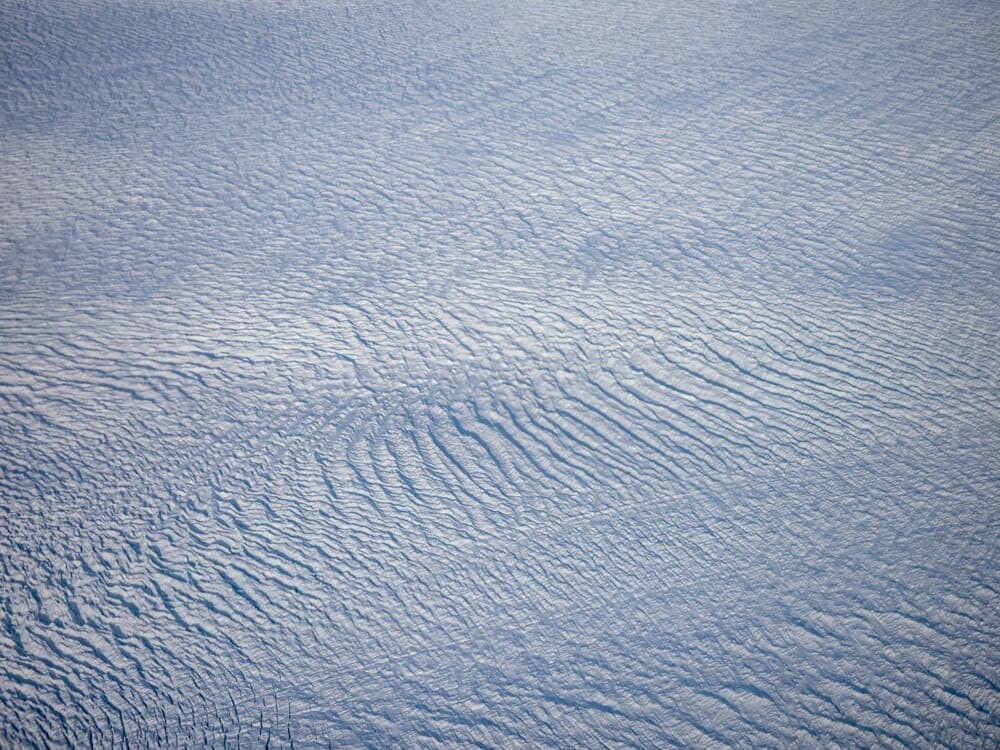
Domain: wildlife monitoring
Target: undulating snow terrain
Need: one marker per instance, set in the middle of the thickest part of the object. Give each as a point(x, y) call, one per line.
point(507, 374)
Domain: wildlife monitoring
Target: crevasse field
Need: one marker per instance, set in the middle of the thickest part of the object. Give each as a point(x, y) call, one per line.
point(499, 374)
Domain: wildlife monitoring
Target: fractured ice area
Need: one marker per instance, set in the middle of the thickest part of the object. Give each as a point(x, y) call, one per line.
point(516, 374)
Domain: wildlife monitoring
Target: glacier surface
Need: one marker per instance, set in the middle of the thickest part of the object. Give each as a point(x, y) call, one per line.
point(513, 374)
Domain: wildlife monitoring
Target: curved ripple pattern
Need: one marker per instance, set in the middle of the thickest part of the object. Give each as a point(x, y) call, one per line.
point(530, 375)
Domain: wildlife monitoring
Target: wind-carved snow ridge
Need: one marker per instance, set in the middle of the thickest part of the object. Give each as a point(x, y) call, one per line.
point(499, 375)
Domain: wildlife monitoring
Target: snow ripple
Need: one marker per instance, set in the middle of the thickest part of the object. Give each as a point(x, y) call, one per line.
point(533, 375)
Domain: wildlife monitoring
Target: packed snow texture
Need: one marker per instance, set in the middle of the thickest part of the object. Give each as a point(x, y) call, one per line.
point(509, 374)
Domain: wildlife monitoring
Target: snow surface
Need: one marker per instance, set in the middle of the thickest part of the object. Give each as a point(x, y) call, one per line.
point(510, 374)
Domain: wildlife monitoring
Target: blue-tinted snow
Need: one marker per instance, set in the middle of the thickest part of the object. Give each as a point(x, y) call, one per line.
point(517, 374)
